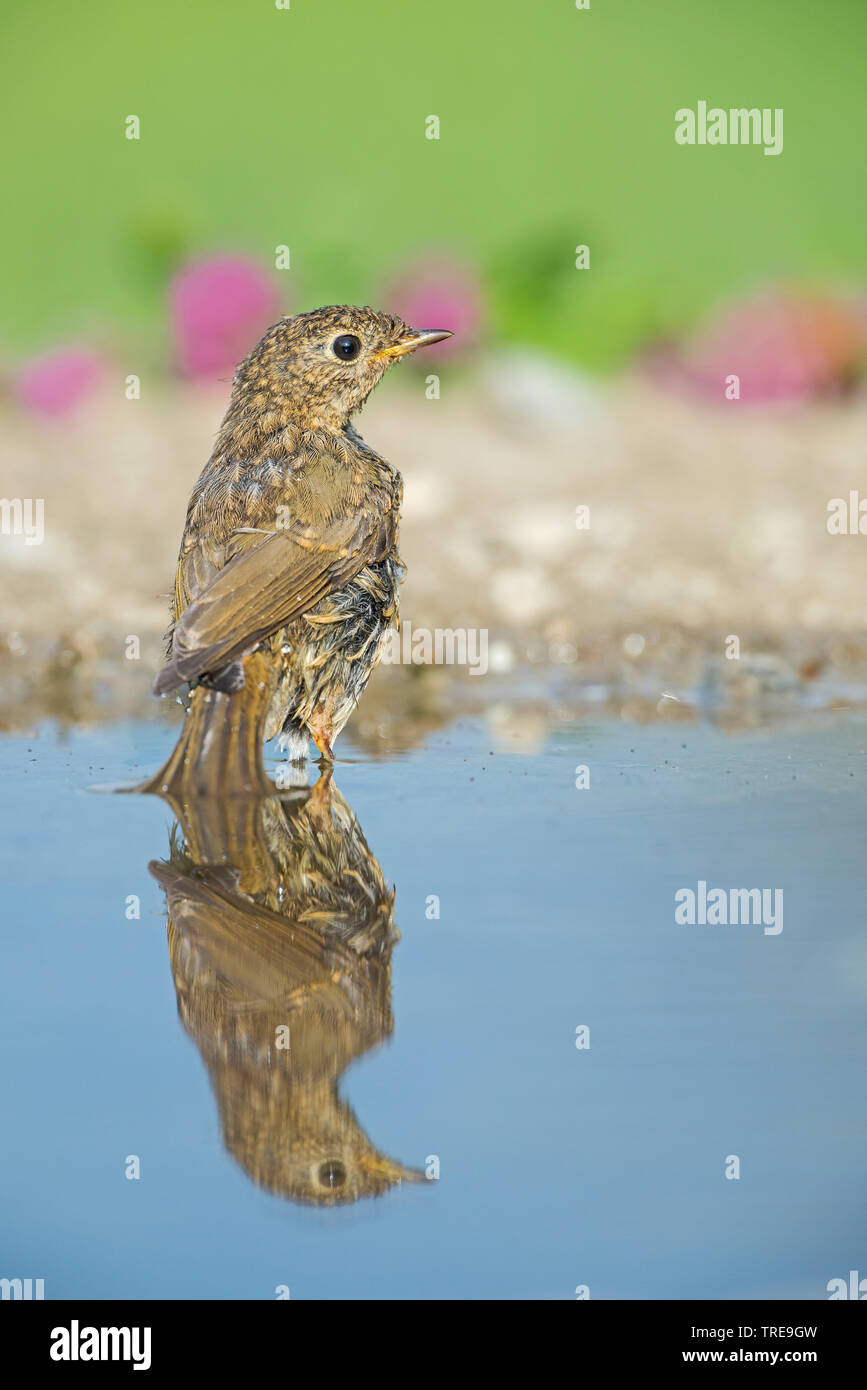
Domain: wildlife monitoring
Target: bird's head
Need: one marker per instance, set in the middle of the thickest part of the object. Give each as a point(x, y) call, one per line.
point(317, 369)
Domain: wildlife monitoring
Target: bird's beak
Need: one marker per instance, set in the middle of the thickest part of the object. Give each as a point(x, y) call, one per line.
point(415, 340)
point(377, 1165)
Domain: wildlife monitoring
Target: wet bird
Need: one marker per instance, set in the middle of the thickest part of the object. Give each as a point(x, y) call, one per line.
point(287, 579)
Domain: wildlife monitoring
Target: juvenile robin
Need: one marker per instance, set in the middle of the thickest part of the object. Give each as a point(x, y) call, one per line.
point(287, 579)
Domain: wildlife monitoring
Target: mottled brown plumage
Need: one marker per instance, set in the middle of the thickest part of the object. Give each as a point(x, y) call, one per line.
point(290, 546)
point(281, 929)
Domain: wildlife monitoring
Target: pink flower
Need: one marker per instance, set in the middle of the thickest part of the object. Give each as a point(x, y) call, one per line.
point(59, 381)
point(434, 292)
point(220, 308)
point(782, 346)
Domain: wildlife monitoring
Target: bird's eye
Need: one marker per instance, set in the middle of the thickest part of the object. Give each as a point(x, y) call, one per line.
point(332, 1173)
point(346, 347)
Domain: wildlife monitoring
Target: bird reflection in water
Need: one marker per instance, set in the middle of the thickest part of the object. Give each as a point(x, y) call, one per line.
point(280, 930)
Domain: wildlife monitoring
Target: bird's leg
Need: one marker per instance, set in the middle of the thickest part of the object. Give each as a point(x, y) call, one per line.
point(322, 731)
point(318, 804)
point(323, 743)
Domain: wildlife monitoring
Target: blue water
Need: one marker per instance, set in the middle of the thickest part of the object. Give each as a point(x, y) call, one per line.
point(559, 1167)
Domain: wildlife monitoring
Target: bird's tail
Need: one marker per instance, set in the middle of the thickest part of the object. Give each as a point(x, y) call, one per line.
point(219, 752)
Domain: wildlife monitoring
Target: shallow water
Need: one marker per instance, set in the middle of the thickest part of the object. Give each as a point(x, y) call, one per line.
point(601, 1166)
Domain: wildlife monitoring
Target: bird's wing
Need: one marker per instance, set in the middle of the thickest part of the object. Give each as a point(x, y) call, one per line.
point(258, 955)
point(263, 588)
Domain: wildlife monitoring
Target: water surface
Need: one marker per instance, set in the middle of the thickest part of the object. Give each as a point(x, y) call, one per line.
point(601, 1166)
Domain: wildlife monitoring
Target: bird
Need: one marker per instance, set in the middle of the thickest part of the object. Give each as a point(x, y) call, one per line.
point(286, 588)
point(280, 932)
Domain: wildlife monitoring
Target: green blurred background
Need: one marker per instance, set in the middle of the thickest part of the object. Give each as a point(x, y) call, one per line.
point(306, 127)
